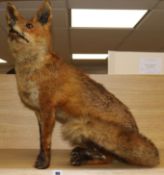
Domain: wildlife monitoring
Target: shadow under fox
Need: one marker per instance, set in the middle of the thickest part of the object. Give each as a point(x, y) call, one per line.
point(93, 119)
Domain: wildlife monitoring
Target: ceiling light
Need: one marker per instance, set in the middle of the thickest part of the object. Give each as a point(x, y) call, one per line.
point(2, 61)
point(99, 18)
point(89, 56)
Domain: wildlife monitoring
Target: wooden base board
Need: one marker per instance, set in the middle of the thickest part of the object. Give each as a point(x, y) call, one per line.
point(18, 162)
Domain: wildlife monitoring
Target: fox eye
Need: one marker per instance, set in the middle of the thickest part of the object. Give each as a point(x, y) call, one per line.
point(29, 26)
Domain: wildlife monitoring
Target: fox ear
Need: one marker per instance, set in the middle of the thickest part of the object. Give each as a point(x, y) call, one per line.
point(12, 14)
point(44, 14)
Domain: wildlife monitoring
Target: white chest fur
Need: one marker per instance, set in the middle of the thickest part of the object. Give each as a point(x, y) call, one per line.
point(27, 66)
point(28, 90)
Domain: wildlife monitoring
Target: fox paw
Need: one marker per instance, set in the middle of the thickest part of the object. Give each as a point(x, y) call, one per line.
point(76, 160)
point(79, 156)
point(42, 162)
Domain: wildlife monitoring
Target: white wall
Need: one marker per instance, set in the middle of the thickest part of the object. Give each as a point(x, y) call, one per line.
point(120, 62)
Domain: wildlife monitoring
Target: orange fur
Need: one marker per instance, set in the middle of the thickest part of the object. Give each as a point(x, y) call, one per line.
point(56, 90)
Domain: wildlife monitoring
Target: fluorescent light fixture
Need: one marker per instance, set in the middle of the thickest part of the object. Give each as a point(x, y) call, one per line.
point(98, 18)
point(89, 56)
point(2, 61)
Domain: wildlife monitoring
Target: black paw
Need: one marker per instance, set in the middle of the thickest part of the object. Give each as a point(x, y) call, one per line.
point(42, 161)
point(76, 160)
point(79, 156)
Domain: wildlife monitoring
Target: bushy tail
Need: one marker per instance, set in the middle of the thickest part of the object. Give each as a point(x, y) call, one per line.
point(125, 143)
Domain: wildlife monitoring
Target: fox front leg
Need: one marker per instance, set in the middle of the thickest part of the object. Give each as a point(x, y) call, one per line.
point(46, 121)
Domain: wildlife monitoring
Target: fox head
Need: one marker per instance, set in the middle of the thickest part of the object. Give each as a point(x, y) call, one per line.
point(29, 37)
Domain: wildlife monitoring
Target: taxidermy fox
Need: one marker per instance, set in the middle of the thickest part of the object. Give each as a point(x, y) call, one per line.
point(94, 120)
